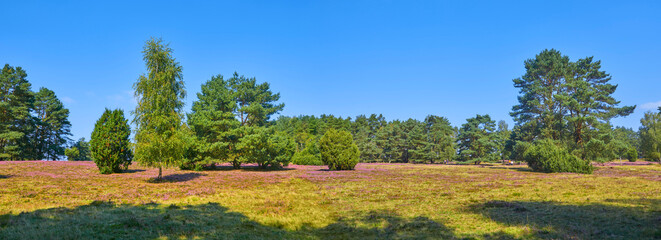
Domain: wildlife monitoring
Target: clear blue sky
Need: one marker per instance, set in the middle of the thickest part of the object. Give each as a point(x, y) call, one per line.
point(400, 58)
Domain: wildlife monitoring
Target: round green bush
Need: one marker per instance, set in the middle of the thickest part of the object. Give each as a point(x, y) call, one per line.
point(546, 156)
point(632, 154)
point(110, 142)
point(338, 150)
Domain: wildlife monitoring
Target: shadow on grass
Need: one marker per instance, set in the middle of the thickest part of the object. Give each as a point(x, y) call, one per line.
point(179, 177)
point(4, 176)
point(384, 225)
point(246, 168)
point(104, 220)
point(520, 169)
point(552, 220)
point(133, 170)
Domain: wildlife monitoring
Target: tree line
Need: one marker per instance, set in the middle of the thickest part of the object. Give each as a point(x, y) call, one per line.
point(562, 119)
point(33, 125)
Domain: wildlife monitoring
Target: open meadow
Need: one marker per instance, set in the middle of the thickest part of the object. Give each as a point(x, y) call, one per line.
point(71, 200)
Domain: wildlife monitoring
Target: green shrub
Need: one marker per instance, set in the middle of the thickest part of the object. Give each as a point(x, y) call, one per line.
point(654, 156)
point(519, 150)
point(632, 154)
point(281, 149)
point(338, 150)
point(309, 155)
point(110, 142)
point(598, 151)
point(546, 156)
point(306, 158)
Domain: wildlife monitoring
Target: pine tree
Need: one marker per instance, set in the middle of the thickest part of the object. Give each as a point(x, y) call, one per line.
point(52, 126)
point(16, 123)
point(439, 140)
point(477, 139)
point(587, 97)
point(538, 111)
point(212, 120)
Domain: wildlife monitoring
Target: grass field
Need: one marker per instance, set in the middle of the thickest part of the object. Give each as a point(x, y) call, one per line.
point(70, 200)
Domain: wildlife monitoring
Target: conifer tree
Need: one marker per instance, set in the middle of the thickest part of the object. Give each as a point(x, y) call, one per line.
point(476, 139)
point(439, 140)
point(110, 146)
point(16, 123)
point(52, 126)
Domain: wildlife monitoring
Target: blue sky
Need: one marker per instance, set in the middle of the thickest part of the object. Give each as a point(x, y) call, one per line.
point(400, 58)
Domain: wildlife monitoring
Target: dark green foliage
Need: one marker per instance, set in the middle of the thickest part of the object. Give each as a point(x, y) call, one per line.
point(438, 142)
point(213, 122)
point(587, 97)
point(110, 146)
point(519, 150)
point(502, 136)
point(628, 136)
point(229, 120)
point(650, 135)
point(310, 155)
point(411, 137)
point(16, 123)
point(477, 140)
point(654, 156)
point(83, 148)
point(338, 150)
point(32, 125)
point(632, 155)
point(412, 141)
point(266, 148)
point(596, 150)
point(567, 101)
point(305, 158)
point(71, 153)
point(192, 159)
point(546, 156)
point(52, 126)
point(537, 109)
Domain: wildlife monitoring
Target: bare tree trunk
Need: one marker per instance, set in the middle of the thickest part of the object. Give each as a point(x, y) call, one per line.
point(160, 173)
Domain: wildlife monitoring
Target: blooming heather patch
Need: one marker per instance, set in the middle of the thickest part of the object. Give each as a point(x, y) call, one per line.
point(311, 202)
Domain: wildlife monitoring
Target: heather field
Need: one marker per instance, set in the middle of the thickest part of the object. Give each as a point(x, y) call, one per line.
point(71, 200)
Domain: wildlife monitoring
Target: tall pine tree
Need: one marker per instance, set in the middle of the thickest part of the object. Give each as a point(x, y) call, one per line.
point(16, 103)
point(52, 126)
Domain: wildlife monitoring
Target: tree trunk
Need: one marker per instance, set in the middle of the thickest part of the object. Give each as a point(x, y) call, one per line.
point(236, 164)
point(160, 173)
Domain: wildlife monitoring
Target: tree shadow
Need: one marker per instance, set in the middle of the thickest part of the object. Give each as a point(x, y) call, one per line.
point(179, 177)
point(553, 220)
point(384, 225)
point(4, 176)
point(248, 168)
point(105, 220)
point(133, 170)
point(520, 169)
